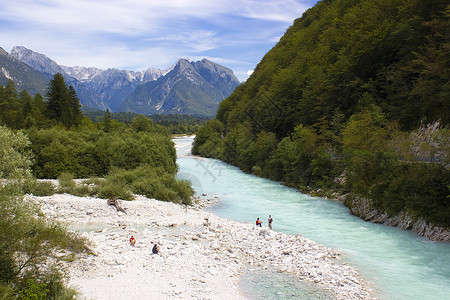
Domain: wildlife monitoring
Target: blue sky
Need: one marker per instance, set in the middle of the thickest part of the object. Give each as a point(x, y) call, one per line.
point(139, 34)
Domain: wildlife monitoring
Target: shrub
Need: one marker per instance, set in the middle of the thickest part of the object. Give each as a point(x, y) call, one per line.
point(54, 281)
point(148, 181)
point(185, 191)
point(34, 291)
point(39, 188)
point(15, 158)
point(6, 291)
point(114, 187)
point(69, 186)
point(66, 183)
point(37, 240)
point(82, 190)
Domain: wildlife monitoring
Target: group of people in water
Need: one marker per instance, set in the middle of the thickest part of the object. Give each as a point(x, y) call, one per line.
point(155, 249)
point(269, 221)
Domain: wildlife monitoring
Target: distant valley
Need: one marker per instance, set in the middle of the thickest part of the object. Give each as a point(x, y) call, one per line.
point(187, 87)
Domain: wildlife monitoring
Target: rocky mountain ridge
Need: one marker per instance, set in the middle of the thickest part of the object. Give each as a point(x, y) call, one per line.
point(196, 87)
point(43, 64)
point(24, 76)
point(112, 88)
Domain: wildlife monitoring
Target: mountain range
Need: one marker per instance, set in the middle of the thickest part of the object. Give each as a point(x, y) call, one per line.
point(187, 87)
point(24, 76)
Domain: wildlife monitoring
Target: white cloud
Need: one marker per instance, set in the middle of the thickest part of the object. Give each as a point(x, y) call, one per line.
point(141, 15)
point(142, 33)
point(283, 11)
point(249, 72)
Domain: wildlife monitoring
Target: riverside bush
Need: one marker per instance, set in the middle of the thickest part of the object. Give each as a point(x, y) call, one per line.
point(34, 291)
point(82, 190)
point(114, 189)
point(68, 185)
point(148, 181)
point(39, 188)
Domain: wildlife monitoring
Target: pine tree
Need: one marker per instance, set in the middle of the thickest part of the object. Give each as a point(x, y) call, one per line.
point(39, 109)
point(75, 106)
point(58, 100)
point(2, 104)
point(9, 105)
point(26, 101)
point(63, 104)
point(26, 111)
point(107, 121)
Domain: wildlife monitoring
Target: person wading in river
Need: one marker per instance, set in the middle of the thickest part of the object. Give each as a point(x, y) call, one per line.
point(270, 221)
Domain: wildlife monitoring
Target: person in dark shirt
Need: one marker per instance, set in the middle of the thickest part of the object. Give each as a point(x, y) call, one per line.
point(155, 249)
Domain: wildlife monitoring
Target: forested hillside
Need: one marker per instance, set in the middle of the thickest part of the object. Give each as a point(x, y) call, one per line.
point(354, 100)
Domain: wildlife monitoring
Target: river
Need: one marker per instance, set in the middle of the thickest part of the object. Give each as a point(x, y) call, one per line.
point(397, 264)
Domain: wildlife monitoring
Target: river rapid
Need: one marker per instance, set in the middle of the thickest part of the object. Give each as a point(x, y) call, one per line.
point(397, 264)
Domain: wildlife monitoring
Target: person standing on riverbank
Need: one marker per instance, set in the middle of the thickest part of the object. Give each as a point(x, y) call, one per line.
point(270, 221)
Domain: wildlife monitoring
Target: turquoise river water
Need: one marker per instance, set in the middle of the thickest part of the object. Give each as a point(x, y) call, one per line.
point(397, 264)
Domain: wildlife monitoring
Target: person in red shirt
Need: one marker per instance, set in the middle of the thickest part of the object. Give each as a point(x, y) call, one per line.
point(132, 241)
point(258, 222)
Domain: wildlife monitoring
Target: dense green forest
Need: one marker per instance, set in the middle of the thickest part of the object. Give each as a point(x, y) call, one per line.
point(354, 100)
point(51, 139)
point(174, 123)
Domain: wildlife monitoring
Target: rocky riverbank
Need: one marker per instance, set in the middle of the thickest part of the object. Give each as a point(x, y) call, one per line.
point(364, 210)
point(202, 256)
